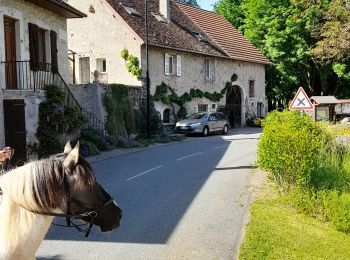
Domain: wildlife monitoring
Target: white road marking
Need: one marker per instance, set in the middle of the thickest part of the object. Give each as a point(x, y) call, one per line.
point(222, 146)
point(143, 173)
point(188, 156)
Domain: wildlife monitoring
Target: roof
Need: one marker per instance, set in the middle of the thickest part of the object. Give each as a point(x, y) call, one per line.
point(324, 100)
point(224, 34)
point(191, 29)
point(174, 35)
point(59, 7)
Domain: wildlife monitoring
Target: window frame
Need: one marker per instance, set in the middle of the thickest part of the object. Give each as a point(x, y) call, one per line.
point(251, 88)
point(209, 72)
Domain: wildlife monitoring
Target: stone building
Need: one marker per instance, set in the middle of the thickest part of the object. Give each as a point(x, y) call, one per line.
point(33, 53)
point(189, 48)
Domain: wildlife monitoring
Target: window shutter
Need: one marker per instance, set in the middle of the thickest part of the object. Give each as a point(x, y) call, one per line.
point(178, 65)
point(54, 63)
point(34, 46)
point(166, 64)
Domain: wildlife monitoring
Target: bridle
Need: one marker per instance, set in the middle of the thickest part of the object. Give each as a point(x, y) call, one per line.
point(89, 212)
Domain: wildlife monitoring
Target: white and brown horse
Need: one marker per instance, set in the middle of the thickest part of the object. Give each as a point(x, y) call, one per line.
point(31, 195)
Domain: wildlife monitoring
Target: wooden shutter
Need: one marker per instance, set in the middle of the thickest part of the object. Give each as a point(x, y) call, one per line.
point(34, 46)
point(166, 64)
point(54, 63)
point(178, 65)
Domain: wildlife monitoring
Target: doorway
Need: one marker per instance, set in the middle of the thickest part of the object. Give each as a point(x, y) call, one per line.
point(234, 103)
point(15, 129)
point(10, 53)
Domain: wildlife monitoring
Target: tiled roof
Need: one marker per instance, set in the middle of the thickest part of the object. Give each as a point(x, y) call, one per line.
point(226, 36)
point(176, 35)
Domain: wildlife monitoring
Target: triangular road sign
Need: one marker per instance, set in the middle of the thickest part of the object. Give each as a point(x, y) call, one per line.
point(301, 101)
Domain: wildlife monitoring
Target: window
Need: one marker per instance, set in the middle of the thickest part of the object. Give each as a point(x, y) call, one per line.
point(160, 17)
point(171, 63)
point(42, 44)
point(166, 116)
point(202, 107)
point(101, 65)
point(251, 88)
point(259, 109)
point(131, 10)
point(209, 69)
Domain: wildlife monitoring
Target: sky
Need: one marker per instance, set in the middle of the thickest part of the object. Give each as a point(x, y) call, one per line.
point(206, 4)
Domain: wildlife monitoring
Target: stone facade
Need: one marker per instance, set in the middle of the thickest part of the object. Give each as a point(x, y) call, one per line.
point(103, 34)
point(23, 13)
point(193, 76)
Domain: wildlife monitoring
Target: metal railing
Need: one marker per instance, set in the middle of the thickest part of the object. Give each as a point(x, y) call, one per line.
point(28, 75)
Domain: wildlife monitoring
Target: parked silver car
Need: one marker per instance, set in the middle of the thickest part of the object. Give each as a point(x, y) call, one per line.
point(203, 123)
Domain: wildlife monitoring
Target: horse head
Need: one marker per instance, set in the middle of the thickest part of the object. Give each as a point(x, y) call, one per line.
point(85, 197)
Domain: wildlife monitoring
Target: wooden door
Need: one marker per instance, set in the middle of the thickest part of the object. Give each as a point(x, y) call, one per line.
point(15, 129)
point(10, 53)
point(84, 70)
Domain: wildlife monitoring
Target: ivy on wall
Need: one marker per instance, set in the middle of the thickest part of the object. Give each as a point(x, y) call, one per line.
point(132, 64)
point(161, 95)
point(56, 119)
point(120, 115)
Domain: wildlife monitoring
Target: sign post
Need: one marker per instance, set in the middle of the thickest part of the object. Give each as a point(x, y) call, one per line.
point(301, 101)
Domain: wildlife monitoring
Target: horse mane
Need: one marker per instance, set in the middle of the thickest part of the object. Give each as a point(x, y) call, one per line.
point(38, 185)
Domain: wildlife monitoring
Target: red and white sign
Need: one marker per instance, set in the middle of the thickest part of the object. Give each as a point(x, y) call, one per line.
point(301, 101)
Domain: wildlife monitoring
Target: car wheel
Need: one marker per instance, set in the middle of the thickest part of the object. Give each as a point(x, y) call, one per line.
point(205, 131)
point(225, 130)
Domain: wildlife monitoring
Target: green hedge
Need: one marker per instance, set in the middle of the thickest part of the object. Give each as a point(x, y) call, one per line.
point(305, 162)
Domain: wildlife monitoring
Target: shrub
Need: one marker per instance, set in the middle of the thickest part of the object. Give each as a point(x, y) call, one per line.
point(288, 147)
point(254, 122)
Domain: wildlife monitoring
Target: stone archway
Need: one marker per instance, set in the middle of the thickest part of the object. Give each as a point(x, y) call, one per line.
point(234, 104)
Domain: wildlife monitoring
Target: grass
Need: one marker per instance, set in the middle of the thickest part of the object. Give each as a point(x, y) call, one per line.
point(278, 231)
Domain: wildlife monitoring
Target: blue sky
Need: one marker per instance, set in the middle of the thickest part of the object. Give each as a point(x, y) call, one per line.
point(206, 4)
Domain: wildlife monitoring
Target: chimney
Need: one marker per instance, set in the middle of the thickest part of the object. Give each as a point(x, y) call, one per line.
point(164, 9)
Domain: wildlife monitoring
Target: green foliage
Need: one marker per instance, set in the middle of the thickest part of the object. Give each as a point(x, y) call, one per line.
point(304, 160)
point(305, 40)
point(55, 120)
point(141, 120)
point(278, 231)
point(189, 2)
point(254, 122)
point(161, 94)
point(120, 114)
point(88, 148)
point(132, 64)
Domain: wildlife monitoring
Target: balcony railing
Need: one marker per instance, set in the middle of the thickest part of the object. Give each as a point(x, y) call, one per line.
point(28, 75)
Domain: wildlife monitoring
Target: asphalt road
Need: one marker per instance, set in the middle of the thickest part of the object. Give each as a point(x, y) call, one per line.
point(180, 201)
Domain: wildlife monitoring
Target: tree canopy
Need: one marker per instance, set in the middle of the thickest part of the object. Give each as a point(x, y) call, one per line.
point(307, 41)
point(189, 2)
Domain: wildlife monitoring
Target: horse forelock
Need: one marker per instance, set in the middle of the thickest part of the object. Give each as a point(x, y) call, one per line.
point(48, 187)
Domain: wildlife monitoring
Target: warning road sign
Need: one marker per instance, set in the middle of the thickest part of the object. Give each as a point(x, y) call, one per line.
point(301, 101)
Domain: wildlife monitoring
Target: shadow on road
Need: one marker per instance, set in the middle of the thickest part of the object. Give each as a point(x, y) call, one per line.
point(153, 205)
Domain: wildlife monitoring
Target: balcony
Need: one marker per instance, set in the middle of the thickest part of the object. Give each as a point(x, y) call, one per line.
point(27, 75)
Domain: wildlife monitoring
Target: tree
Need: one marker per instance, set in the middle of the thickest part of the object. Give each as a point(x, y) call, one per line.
point(189, 2)
point(290, 34)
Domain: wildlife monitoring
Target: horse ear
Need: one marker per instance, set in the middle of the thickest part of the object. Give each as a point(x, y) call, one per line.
point(67, 148)
point(73, 157)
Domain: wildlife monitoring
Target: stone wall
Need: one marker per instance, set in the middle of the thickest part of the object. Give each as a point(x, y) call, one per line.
point(193, 76)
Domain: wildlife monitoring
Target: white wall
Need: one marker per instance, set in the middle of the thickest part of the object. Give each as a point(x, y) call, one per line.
point(102, 35)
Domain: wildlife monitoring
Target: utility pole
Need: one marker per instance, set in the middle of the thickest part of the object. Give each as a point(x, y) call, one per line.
point(147, 74)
